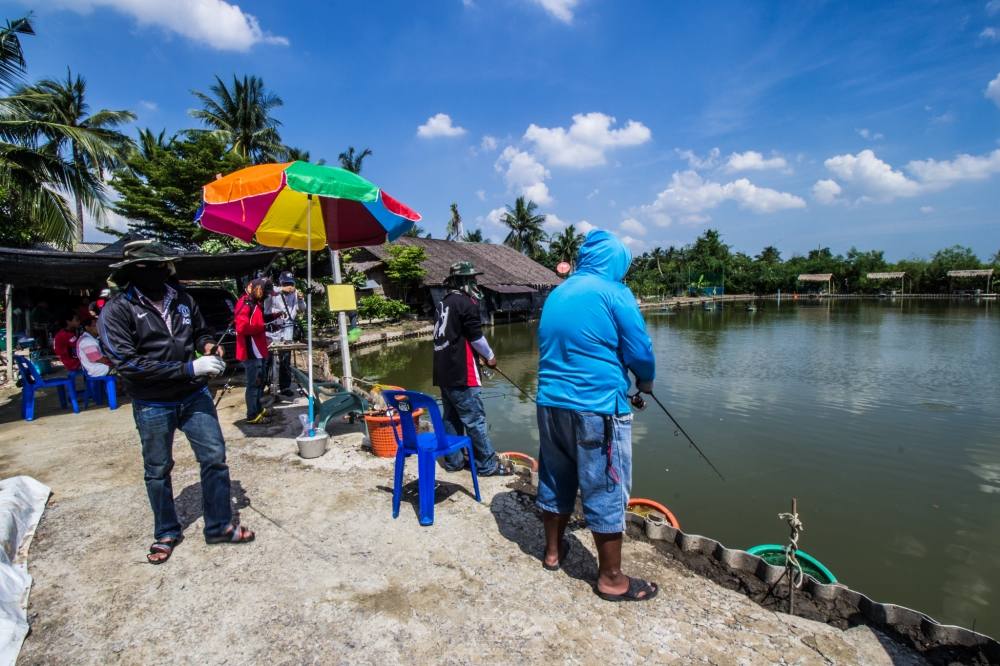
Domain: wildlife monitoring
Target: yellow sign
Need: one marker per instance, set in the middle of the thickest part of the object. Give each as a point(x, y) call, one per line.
point(341, 297)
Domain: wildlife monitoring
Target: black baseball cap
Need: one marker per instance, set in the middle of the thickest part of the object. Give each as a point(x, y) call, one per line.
point(286, 278)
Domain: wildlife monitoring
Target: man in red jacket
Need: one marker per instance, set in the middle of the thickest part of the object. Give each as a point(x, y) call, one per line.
point(251, 344)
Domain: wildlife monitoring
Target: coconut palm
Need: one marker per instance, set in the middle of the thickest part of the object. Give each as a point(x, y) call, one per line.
point(65, 103)
point(352, 162)
point(454, 228)
point(33, 173)
point(526, 234)
point(566, 245)
point(242, 116)
point(475, 236)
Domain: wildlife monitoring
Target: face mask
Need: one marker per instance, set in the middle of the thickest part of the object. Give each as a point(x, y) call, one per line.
point(151, 280)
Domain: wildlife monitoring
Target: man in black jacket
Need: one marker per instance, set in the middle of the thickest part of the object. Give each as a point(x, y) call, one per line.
point(151, 331)
point(458, 344)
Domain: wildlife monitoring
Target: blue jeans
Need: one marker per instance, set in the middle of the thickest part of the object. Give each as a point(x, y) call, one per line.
point(590, 452)
point(256, 372)
point(464, 414)
point(195, 417)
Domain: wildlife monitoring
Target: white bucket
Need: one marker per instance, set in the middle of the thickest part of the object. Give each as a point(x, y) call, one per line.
point(312, 447)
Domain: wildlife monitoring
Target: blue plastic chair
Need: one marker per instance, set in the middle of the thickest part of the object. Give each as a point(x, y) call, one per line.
point(428, 447)
point(99, 388)
point(31, 381)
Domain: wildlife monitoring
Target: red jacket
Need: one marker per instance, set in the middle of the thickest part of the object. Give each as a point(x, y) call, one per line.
point(250, 329)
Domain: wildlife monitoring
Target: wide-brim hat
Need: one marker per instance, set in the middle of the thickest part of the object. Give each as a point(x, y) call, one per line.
point(148, 251)
point(463, 269)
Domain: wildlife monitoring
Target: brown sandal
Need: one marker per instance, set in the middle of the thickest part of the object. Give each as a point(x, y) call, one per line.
point(164, 547)
point(235, 534)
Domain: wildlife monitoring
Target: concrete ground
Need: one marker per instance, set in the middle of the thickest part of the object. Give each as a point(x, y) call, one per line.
point(333, 579)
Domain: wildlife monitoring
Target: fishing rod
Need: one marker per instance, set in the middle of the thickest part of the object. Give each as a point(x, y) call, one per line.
point(514, 384)
point(639, 403)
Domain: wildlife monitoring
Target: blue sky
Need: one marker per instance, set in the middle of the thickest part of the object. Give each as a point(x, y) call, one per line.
point(800, 124)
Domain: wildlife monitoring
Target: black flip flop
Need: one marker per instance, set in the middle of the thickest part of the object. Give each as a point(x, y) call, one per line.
point(163, 547)
point(563, 552)
point(635, 586)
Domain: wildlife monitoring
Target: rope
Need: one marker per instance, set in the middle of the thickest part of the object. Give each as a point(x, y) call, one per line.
point(791, 561)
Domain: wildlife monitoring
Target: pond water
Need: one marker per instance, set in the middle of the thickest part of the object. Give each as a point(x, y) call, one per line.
point(881, 417)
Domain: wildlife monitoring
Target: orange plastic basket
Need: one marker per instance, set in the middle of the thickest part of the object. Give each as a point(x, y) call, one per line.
point(380, 433)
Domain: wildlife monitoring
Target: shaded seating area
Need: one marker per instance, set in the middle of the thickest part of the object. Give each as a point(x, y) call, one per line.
point(101, 390)
point(427, 446)
point(332, 399)
point(32, 382)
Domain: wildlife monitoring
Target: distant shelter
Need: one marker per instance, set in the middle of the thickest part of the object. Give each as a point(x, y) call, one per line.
point(818, 278)
point(971, 274)
point(514, 286)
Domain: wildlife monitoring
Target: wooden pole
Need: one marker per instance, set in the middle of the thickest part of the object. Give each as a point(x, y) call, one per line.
point(9, 304)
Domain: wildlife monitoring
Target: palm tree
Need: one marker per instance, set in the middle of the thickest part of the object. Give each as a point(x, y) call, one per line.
point(352, 162)
point(566, 245)
point(454, 229)
point(103, 149)
point(475, 236)
point(526, 233)
point(32, 172)
point(242, 116)
point(292, 154)
point(149, 143)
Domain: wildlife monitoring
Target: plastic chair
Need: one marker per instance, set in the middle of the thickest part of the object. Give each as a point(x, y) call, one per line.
point(332, 400)
point(428, 447)
point(31, 381)
point(99, 388)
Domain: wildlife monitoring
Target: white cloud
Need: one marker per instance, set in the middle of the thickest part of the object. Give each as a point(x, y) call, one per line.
point(993, 7)
point(554, 223)
point(939, 175)
point(826, 191)
point(751, 160)
point(524, 174)
point(866, 133)
point(945, 118)
point(481, 195)
point(926, 210)
point(633, 226)
point(586, 141)
point(149, 106)
point(634, 244)
point(872, 176)
point(488, 144)
point(989, 34)
point(699, 163)
point(993, 90)
point(593, 193)
point(216, 23)
point(439, 125)
point(493, 217)
point(468, 3)
point(690, 194)
point(560, 9)
point(585, 227)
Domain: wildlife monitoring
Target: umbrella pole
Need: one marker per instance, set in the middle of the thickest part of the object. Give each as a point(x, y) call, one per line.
point(345, 351)
point(309, 314)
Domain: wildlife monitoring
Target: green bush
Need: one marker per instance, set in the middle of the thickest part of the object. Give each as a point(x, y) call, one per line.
point(379, 307)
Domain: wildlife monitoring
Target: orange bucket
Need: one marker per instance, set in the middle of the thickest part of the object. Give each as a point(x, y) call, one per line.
point(380, 433)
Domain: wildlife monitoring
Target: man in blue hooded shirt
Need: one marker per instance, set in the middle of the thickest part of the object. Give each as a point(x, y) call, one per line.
point(590, 336)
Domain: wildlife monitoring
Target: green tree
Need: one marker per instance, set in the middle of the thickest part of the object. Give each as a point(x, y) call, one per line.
point(161, 185)
point(454, 228)
point(475, 236)
point(292, 154)
point(350, 161)
point(405, 265)
point(566, 245)
point(241, 115)
point(417, 231)
point(96, 147)
point(526, 234)
point(33, 174)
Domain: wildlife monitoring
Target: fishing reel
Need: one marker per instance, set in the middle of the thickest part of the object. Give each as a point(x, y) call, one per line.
point(637, 401)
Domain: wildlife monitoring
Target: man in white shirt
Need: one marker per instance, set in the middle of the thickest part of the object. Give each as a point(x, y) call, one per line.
point(288, 302)
point(88, 350)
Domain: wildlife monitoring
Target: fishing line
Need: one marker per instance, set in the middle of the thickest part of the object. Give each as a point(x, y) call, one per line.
point(684, 432)
point(514, 384)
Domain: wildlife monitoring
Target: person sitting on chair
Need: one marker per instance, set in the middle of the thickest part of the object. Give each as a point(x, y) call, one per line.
point(88, 350)
point(64, 344)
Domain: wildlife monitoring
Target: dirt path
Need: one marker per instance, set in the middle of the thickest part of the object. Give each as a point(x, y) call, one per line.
point(333, 579)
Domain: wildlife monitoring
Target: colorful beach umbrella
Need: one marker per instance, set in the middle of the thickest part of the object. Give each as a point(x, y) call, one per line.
point(272, 205)
point(303, 206)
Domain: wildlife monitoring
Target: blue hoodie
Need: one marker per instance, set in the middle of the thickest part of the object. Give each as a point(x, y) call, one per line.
point(592, 333)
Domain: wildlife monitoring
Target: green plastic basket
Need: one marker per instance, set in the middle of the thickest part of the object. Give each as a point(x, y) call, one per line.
point(775, 555)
